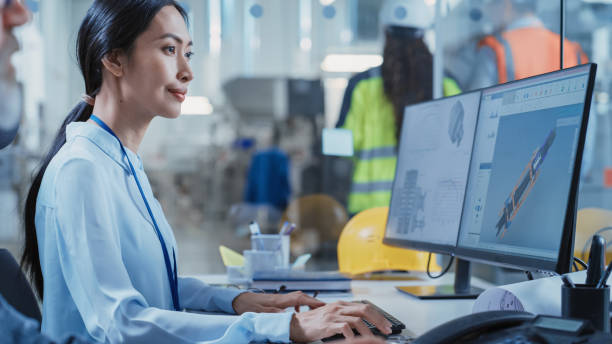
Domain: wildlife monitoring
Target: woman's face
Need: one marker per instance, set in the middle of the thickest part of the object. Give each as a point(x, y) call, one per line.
point(157, 71)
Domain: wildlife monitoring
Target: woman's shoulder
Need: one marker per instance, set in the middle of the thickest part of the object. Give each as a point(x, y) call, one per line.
point(77, 153)
point(76, 162)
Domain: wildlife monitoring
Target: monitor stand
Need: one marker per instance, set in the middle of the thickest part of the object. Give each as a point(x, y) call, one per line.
point(460, 290)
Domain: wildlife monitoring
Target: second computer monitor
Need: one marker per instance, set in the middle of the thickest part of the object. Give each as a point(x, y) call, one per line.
point(431, 173)
point(520, 200)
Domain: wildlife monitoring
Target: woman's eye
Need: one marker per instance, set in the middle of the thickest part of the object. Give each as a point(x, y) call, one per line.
point(189, 55)
point(170, 49)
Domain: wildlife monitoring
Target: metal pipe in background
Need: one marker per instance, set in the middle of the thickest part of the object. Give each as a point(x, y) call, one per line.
point(562, 31)
point(438, 58)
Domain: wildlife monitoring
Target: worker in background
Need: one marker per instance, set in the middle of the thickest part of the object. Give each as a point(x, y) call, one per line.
point(14, 326)
point(268, 177)
point(12, 14)
point(524, 48)
point(374, 101)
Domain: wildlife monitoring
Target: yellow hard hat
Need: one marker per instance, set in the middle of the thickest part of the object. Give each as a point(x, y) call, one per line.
point(361, 249)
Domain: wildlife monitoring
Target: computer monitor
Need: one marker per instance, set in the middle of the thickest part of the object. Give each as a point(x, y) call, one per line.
point(429, 186)
point(520, 168)
point(431, 174)
point(520, 201)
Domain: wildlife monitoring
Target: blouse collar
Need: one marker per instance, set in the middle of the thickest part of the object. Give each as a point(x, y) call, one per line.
point(105, 141)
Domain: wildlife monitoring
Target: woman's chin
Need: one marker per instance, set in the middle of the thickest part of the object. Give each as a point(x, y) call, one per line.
point(170, 113)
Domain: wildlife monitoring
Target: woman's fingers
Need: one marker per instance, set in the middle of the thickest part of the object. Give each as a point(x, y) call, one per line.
point(337, 317)
point(305, 300)
point(298, 298)
point(346, 330)
point(357, 324)
point(368, 313)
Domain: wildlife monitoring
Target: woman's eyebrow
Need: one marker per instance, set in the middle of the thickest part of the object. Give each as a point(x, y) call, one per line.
point(175, 37)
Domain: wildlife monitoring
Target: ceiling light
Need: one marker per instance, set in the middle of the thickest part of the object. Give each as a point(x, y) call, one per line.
point(350, 63)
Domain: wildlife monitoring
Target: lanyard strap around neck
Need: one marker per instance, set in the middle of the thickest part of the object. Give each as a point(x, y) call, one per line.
point(172, 273)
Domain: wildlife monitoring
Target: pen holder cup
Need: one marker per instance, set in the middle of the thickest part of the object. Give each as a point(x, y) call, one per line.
point(255, 261)
point(277, 243)
point(588, 303)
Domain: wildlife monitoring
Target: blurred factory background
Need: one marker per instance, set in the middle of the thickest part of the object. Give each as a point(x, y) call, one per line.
point(269, 76)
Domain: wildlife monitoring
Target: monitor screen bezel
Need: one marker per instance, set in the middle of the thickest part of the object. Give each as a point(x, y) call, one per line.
point(422, 245)
point(565, 254)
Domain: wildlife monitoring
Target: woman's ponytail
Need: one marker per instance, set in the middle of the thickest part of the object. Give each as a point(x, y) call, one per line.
point(30, 259)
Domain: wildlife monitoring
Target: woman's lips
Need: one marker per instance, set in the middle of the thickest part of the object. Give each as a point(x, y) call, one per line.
point(178, 94)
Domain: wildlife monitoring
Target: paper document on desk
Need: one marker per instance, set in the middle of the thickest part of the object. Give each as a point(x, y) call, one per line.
point(540, 296)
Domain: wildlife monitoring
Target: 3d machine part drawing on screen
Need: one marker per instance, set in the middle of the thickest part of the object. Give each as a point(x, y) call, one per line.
point(455, 126)
point(522, 189)
point(412, 204)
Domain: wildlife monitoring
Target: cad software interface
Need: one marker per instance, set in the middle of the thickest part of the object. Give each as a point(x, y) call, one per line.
point(432, 169)
point(522, 165)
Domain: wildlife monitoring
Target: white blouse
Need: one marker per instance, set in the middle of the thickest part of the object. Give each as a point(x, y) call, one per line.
point(103, 267)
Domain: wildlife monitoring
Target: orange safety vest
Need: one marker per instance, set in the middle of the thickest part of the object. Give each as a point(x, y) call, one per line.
point(525, 52)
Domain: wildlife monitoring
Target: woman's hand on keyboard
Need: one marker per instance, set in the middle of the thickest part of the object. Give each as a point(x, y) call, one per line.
point(336, 318)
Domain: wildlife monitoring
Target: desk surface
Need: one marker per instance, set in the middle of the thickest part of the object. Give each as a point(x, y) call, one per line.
point(418, 315)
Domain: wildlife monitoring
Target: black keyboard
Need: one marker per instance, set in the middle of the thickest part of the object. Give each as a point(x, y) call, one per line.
point(396, 325)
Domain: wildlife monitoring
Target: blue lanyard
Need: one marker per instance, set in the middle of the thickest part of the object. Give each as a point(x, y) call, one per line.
point(172, 274)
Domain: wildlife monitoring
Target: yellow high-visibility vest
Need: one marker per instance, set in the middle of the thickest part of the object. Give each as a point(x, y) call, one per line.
point(369, 114)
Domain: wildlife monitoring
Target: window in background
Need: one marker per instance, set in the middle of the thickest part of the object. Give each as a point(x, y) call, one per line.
point(591, 27)
point(365, 22)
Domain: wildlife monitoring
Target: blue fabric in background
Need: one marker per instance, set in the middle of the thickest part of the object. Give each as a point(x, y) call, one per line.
point(268, 179)
point(17, 328)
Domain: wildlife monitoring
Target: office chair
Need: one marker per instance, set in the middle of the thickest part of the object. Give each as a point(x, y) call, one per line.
point(15, 288)
point(590, 221)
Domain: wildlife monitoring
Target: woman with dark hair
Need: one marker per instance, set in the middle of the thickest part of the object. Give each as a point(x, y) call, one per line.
point(374, 101)
point(97, 242)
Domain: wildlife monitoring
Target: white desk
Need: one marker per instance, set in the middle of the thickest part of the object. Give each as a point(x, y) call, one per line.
point(418, 315)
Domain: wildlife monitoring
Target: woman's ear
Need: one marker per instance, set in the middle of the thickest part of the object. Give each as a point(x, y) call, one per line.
point(114, 62)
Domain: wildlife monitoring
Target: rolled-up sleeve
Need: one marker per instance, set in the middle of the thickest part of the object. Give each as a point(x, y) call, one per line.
point(112, 309)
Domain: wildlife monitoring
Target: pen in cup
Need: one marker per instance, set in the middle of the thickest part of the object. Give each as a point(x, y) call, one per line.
point(285, 233)
point(604, 278)
point(284, 228)
point(256, 231)
point(291, 229)
point(567, 281)
point(254, 228)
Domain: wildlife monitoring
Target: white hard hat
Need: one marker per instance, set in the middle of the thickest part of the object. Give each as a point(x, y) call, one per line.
point(406, 13)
